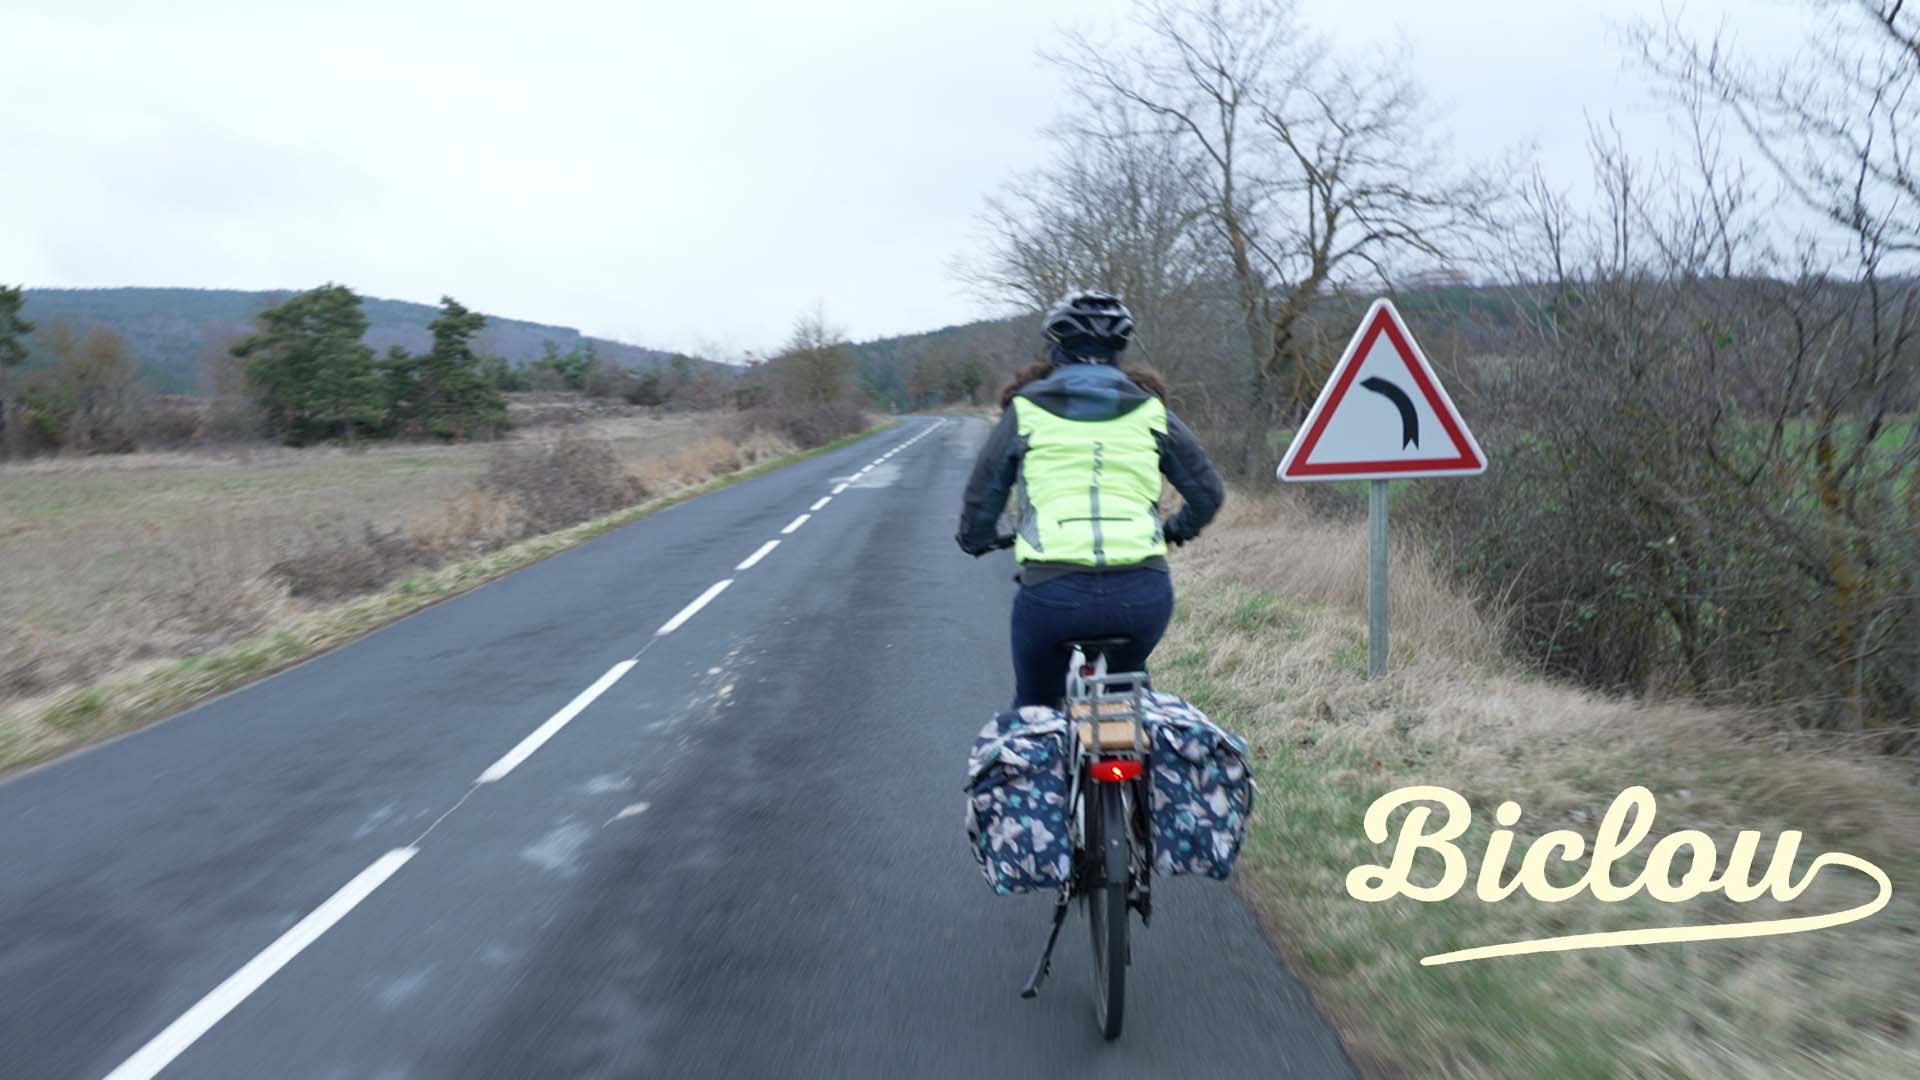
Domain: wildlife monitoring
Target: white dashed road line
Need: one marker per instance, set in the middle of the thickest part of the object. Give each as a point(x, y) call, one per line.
point(562, 718)
point(175, 1038)
point(758, 555)
point(221, 1000)
point(693, 609)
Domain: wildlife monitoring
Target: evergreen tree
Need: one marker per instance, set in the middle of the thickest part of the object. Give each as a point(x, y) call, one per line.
point(400, 390)
point(13, 348)
point(569, 368)
point(504, 376)
point(13, 328)
point(314, 376)
point(455, 399)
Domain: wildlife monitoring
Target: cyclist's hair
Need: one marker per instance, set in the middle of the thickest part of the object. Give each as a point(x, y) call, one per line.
point(1144, 377)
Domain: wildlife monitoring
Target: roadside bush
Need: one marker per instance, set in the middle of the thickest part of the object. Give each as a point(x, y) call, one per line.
point(807, 392)
point(559, 483)
point(339, 563)
point(809, 424)
point(1693, 492)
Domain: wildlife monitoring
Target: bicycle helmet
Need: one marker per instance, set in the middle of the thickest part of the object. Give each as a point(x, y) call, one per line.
point(1090, 321)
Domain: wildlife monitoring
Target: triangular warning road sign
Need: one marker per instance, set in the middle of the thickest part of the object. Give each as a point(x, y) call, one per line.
point(1400, 421)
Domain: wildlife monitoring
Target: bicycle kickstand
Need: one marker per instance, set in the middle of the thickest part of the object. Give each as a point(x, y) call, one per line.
point(1032, 989)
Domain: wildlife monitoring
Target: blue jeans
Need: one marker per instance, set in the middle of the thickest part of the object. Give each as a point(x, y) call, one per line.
point(1124, 603)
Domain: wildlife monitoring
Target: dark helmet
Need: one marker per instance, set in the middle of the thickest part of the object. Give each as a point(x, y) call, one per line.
point(1094, 321)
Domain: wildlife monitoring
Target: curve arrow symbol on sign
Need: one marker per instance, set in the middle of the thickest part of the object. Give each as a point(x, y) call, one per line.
point(1409, 419)
point(1345, 436)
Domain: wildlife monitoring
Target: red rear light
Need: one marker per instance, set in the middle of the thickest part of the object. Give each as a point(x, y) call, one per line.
point(1114, 770)
point(1086, 671)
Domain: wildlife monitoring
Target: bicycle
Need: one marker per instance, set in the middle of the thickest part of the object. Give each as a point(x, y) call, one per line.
point(1111, 787)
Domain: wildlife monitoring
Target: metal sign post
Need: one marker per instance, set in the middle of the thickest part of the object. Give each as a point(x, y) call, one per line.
point(1376, 579)
point(1401, 425)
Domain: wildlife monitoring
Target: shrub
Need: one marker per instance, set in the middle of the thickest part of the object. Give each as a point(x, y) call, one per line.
point(171, 421)
point(809, 425)
point(559, 483)
point(1689, 496)
point(88, 400)
point(338, 563)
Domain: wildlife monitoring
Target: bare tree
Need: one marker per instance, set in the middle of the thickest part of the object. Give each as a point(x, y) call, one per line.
point(1709, 455)
point(87, 400)
point(816, 366)
point(1312, 178)
point(1834, 123)
point(1114, 211)
point(233, 412)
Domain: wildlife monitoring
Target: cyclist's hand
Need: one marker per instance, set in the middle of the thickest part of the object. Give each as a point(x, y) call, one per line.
point(1174, 536)
point(976, 550)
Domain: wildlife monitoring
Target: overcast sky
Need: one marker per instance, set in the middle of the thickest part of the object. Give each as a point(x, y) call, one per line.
point(684, 175)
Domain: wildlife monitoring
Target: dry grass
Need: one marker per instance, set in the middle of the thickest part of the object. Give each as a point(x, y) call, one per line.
point(137, 692)
point(1271, 636)
point(988, 412)
point(113, 567)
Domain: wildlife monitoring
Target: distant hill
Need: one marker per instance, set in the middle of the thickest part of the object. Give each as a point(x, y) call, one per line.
point(1463, 318)
point(170, 331)
point(886, 365)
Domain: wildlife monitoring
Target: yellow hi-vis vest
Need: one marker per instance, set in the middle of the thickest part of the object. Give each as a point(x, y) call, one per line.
point(1089, 489)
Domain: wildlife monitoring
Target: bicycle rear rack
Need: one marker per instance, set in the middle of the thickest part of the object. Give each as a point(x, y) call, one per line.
point(1104, 721)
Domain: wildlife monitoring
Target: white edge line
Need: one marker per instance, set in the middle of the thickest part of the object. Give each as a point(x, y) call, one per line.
point(174, 1039)
point(758, 555)
point(795, 523)
point(541, 734)
point(693, 609)
point(824, 500)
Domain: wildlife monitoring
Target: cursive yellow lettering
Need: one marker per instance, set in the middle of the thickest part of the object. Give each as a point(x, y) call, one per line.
point(1376, 883)
point(1699, 875)
point(1627, 822)
point(1533, 868)
point(1488, 887)
point(1609, 844)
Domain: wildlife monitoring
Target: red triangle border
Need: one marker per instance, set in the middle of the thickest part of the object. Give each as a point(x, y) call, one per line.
point(1385, 321)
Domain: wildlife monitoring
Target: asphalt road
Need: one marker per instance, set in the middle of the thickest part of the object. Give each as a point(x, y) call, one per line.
point(744, 857)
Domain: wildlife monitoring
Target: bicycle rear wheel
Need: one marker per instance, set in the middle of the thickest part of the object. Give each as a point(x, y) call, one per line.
point(1108, 844)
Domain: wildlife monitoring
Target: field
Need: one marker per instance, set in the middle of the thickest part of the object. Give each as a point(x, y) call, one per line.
point(116, 566)
point(1270, 637)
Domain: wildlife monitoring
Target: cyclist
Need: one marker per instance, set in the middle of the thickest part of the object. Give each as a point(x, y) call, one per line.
point(1087, 442)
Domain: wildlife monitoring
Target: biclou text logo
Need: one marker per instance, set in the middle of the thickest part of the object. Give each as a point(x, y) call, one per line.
point(1689, 852)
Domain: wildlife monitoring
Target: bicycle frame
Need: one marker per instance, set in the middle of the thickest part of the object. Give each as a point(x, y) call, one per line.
point(1094, 707)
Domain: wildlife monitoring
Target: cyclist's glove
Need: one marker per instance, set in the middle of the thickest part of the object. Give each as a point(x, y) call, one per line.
point(1175, 537)
point(977, 550)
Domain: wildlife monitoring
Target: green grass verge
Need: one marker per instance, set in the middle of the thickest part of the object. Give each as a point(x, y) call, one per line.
point(115, 706)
